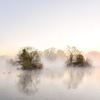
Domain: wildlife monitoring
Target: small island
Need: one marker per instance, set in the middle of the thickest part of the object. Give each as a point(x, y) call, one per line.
point(76, 58)
point(29, 58)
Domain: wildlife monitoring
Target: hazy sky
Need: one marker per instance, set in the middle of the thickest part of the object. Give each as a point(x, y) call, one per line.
point(47, 23)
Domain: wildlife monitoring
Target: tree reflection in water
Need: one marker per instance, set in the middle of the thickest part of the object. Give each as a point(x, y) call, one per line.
point(71, 77)
point(28, 81)
point(74, 76)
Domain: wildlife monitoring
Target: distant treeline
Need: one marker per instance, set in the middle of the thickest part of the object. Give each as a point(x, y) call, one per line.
point(30, 58)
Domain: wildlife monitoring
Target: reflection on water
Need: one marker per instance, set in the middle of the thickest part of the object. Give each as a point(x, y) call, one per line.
point(50, 83)
point(71, 77)
point(74, 76)
point(28, 81)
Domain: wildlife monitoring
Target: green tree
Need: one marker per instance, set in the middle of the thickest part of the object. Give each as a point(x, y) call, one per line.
point(29, 58)
point(75, 57)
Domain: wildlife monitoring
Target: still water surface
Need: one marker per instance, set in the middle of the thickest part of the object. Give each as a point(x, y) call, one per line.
point(49, 84)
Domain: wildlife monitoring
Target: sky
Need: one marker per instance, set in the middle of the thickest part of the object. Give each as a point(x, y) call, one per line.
point(49, 23)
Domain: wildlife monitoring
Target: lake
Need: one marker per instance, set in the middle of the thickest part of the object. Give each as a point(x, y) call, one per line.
point(50, 83)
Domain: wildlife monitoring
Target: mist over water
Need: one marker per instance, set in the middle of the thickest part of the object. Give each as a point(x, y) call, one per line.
point(54, 81)
point(53, 63)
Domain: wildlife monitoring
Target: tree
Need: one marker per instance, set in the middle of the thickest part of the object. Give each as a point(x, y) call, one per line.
point(50, 53)
point(29, 58)
point(75, 57)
